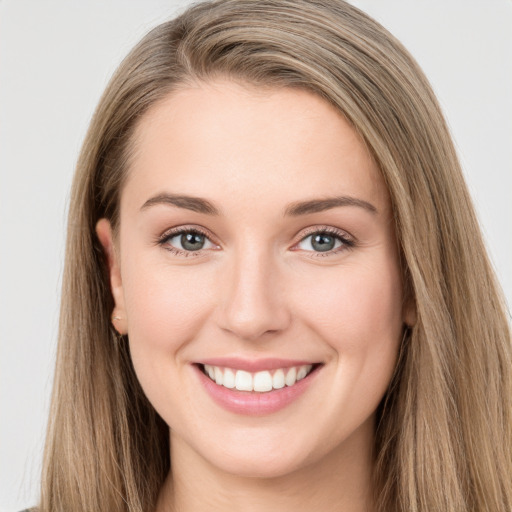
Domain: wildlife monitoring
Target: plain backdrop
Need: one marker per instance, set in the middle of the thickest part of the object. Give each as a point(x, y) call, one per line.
point(56, 57)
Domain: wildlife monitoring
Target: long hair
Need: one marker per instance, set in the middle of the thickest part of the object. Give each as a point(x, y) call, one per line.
point(443, 439)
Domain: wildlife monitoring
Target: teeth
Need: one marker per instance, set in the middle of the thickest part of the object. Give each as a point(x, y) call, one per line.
point(291, 377)
point(278, 380)
point(262, 382)
point(259, 382)
point(243, 381)
point(229, 379)
point(302, 372)
point(219, 375)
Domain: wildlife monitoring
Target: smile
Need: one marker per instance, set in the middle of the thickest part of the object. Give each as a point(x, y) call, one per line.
point(255, 387)
point(260, 382)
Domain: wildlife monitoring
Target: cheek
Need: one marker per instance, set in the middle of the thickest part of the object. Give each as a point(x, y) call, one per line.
point(166, 307)
point(355, 308)
point(357, 312)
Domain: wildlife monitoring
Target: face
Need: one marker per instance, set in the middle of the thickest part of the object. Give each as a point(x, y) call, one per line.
point(256, 244)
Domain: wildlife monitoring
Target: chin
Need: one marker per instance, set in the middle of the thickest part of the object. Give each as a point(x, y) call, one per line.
point(259, 467)
point(255, 459)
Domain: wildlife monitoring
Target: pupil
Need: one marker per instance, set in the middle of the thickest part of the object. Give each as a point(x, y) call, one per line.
point(323, 242)
point(192, 241)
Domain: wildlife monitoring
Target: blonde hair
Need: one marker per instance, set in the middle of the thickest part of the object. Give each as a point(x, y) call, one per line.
point(443, 439)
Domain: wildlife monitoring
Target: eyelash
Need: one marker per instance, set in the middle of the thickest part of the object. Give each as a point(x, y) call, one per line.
point(164, 239)
point(347, 242)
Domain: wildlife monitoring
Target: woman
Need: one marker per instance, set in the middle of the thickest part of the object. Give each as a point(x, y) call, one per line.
point(276, 294)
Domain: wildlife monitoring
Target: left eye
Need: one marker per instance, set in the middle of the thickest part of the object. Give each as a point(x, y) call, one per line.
point(321, 242)
point(189, 241)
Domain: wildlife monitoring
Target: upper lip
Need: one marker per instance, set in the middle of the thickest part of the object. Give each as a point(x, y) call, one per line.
point(253, 365)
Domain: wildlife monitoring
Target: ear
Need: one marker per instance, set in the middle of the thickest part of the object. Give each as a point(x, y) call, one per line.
point(104, 233)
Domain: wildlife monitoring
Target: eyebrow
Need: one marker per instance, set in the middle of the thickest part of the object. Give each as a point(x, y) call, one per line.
point(196, 204)
point(320, 205)
point(200, 205)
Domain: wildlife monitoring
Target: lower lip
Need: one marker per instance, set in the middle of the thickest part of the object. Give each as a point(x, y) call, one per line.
point(254, 403)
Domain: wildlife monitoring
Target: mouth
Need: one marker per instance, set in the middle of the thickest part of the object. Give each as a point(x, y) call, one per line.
point(263, 381)
point(255, 388)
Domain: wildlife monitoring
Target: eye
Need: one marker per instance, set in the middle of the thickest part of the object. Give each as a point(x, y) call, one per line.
point(325, 241)
point(183, 241)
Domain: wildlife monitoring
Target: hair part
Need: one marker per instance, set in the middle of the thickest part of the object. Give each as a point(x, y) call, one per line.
point(444, 432)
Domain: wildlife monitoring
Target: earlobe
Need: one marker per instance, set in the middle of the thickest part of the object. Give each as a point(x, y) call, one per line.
point(105, 236)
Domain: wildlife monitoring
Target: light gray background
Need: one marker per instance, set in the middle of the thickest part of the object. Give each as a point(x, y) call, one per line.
point(55, 59)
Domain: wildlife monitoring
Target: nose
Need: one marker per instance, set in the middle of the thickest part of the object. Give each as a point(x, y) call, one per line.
point(254, 302)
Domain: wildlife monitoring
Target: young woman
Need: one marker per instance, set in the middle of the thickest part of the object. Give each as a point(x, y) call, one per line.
point(276, 295)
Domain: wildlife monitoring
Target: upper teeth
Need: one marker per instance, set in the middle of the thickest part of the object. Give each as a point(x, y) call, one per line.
point(259, 381)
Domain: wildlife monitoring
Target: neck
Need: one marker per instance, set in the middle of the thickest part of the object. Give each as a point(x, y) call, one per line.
point(339, 481)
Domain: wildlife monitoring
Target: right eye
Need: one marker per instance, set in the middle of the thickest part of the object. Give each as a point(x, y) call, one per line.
point(184, 241)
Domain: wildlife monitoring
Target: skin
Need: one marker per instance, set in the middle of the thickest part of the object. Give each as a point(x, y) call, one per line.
point(259, 289)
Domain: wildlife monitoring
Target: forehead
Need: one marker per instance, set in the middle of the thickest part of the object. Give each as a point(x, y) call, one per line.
point(251, 146)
